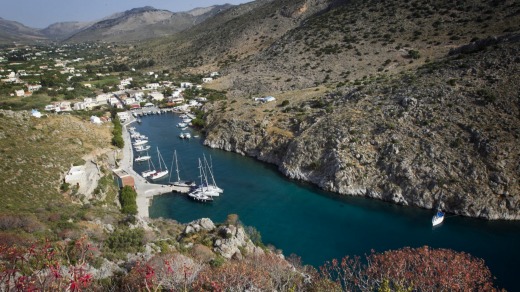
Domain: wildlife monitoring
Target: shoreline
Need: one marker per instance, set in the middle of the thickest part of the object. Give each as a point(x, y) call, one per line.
point(145, 190)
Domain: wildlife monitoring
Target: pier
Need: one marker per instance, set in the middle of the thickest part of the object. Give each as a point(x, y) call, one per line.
point(145, 190)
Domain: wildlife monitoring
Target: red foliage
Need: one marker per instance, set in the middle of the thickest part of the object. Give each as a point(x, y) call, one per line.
point(45, 266)
point(421, 269)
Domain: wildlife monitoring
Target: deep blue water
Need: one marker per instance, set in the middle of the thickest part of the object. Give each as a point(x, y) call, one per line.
point(313, 224)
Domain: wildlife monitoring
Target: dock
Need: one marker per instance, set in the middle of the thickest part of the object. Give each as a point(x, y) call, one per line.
point(145, 190)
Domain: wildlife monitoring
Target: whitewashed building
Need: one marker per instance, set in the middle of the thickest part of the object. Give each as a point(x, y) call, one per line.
point(157, 96)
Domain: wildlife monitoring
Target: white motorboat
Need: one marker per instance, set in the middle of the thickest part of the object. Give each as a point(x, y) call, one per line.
point(181, 135)
point(142, 148)
point(187, 135)
point(182, 125)
point(142, 158)
point(139, 142)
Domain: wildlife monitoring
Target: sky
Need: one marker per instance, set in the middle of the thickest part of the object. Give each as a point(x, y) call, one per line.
point(42, 13)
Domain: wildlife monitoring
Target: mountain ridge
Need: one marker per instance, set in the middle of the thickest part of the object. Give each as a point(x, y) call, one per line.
point(131, 25)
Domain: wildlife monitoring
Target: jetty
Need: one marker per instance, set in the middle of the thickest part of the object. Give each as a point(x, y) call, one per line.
point(145, 190)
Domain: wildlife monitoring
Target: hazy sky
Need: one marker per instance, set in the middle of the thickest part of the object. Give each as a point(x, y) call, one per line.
point(41, 13)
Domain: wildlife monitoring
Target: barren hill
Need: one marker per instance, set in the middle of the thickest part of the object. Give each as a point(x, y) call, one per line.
point(412, 102)
point(142, 23)
point(12, 31)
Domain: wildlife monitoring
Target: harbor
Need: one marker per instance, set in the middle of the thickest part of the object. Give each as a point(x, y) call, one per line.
point(145, 190)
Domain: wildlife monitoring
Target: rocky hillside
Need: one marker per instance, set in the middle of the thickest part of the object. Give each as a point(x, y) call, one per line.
point(12, 31)
point(62, 30)
point(448, 128)
point(143, 23)
point(411, 102)
point(232, 35)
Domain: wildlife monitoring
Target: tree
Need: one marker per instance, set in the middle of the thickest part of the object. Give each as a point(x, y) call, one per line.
point(128, 200)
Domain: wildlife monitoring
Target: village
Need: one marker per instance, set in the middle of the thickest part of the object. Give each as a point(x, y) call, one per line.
point(70, 78)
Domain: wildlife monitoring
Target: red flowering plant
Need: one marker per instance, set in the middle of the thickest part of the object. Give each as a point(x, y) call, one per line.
point(46, 266)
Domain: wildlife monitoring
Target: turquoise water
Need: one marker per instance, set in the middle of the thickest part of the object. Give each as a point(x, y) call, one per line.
point(313, 224)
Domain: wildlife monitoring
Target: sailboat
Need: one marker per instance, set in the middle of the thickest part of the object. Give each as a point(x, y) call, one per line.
point(179, 182)
point(202, 193)
point(151, 169)
point(212, 186)
point(439, 216)
point(161, 172)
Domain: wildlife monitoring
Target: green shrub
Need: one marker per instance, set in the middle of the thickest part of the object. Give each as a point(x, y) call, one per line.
point(128, 200)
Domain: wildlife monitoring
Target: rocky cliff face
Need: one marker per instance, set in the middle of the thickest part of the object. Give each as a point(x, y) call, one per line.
point(450, 127)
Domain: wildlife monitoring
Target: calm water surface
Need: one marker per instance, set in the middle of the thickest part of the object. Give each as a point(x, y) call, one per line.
point(316, 225)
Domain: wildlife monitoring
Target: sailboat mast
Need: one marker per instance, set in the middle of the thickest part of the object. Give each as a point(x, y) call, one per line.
point(176, 165)
point(200, 171)
point(159, 158)
point(210, 170)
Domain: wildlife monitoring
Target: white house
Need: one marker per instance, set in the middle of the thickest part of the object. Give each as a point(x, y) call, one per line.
point(214, 74)
point(152, 86)
point(130, 100)
point(157, 96)
point(79, 106)
point(113, 100)
point(87, 85)
point(50, 107)
point(123, 116)
point(103, 98)
point(177, 99)
point(33, 88)
point(186, 84)
point(19, 92)
point(207, 79)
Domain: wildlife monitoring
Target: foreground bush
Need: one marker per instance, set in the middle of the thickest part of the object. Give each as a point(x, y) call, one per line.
point(419, 269)
point(66, 267)
point(46, 267)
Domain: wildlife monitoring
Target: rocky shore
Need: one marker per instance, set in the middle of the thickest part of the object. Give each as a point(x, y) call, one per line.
point(446, 134)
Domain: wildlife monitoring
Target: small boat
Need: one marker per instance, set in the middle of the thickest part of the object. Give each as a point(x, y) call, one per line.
point(161, 172)
point(142, 148)
point(205, 188)
point(139, 142)
point(200, 196)
point(438, 218)
point(185, 135)
point(179, 182)
point(182, 125)
point(139, 121)
point(142, 158)
point(186, 120)
point(148, 173)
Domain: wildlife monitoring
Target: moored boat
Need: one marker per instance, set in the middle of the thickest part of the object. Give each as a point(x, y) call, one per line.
point(161, 172)
point(142, 148)
point(142, 158)
point(139, 142)
point(438, 218)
